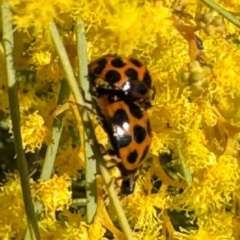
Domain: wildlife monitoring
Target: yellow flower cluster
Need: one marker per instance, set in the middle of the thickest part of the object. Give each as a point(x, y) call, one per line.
point(34, 132)
point(69, 160)
point(54, 194)
point(196, 112)
point(212, 188)
point(12, 209)
point(74, 228)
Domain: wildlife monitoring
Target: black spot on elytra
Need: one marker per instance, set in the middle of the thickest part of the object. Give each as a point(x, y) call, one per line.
point(120, 117)
point(149, 128)
point(135, 62)
point(101, 65)
point(118, 63)
point(135, 110)
point(132, 157)
point(122, 141)
point(131, 74)
point(112, 76)
point(142, 89)
point(139, 133)
point(145, 152)
point(147, 79)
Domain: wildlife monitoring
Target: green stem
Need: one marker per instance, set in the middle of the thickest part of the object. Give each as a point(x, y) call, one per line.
point(66, 64)
point(79, 202)
point(223, 12)
point(15, 115)
point(91, 166)
point(53, 147)
point(88, 128)
point(56, 134)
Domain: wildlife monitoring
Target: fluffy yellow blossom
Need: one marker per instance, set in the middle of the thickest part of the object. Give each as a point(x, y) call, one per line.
point(128, 21)
point(101, 136)
point(34, 132)
point(172, 119)
point(13, 219)
point(54, 194)
point(143, 210)
point(69, 160)
point(49, 11)
point(42, 58)
point(48, 67)
point(213, 224)
point(231, 5)
point(143, 213)
point(227, 79)
point(212, 187)
point(211, 228)
point(96, 231)
point(74, 228)
point(192, 148)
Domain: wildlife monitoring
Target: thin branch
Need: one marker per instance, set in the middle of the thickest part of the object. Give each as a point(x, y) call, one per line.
point(79, 202)
point(53, 147)
point(223, 12)
point(56, 134)
point(89, 130)
point(15, 115)
point(91, 166)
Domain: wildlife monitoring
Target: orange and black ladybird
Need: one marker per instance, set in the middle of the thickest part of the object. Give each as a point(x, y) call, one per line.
point(129, 131)
point(126, 77)
point(122, 92)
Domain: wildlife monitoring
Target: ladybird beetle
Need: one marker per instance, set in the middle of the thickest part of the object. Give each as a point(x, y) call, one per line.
point(129, 131)
point(128, 78)
point(122, 92)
